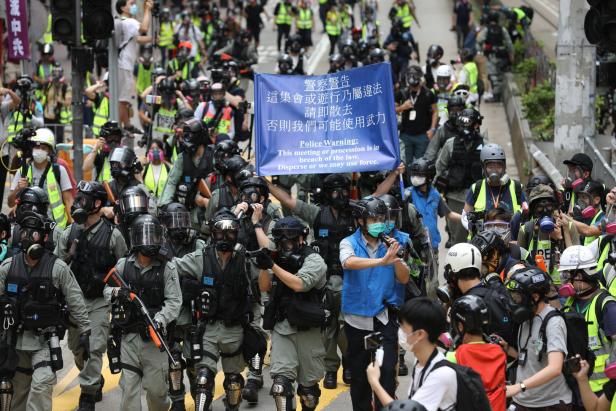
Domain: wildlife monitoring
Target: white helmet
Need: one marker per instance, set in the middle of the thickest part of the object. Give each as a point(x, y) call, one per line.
point(444, 70)
point(44, 136)
point(463, 255)
point(578, 257)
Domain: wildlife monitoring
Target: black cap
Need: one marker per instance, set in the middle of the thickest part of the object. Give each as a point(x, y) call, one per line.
point(582, 160)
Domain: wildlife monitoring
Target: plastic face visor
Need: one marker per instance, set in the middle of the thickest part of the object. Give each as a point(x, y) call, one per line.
point(146, 235)
point(134, 204)
point(176, 220)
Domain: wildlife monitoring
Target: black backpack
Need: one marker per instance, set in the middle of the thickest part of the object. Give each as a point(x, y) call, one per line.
point(494, 36)
point(471, 395)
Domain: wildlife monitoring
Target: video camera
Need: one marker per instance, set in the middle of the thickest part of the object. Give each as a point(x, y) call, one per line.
point(22, 141)
point(24, 85)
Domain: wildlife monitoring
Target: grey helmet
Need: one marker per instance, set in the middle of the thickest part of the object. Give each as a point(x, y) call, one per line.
point(492, 152)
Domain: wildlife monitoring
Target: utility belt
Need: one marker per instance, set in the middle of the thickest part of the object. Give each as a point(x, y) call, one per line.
point(128, 320)
point(302, 312)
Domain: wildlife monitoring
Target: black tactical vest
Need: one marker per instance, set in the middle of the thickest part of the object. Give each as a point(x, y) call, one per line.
point(328, 232)
point(93, 258)
point(494, 35)
point(225, 198)
point(228, 285)
point(39, 303)
point(465, 165)
point(187, 186)
point(247, 235)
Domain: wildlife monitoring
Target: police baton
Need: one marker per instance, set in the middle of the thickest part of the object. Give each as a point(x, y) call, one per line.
point(154, 334)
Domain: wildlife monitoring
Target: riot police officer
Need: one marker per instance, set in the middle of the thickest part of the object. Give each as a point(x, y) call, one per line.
point(223, 150)
point(193, 163)
point(234, 169)
point(459, 165)
point(295, 314)
point(91, 246)
point(124, 167)
point(331, 222)
point(132, 203)
point(257, 216)
point(220, 272)
point(449, 129)
point(37, 287)
point(33, 199)
point(154, 280)
point(181, 239)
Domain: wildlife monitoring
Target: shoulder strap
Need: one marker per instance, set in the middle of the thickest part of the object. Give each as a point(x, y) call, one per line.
point(599, 307)
point(542, 331)
point(518, 191)
point(476, 190)
point(57, 174)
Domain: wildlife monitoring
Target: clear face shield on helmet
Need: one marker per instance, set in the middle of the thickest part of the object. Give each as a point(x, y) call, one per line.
point(252, 195)
point(224, 234)
point(134, 204)
point(393, 219)
point(178, 225)
point(146, 237)
point(287, 240)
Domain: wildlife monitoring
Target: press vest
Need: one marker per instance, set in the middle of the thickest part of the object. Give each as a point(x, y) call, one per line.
point(543, 247)
point(597, 340)
point(363, 291)
point(166, 35)
point(186, 70)
point(597, 217)
point(328, 232)
point(332, 23)
point(428, 208)
point(54, 192)
point(144, 78)
point(404, 13)
point(156, 187)
point(473, 75)
point(16, 124)
point(105, 173)
point(482, 198)
point(93, 258)
point(304, 19)
point(224, 124)
point(283, 17)
point(101, 116)
point(163, 122)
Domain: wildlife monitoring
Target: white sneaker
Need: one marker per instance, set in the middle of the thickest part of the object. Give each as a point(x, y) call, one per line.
point(488, 95)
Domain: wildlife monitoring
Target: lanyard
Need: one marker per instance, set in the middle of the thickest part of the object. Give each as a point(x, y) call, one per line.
point(422, 375)
point(497, 199)
point(530, 331)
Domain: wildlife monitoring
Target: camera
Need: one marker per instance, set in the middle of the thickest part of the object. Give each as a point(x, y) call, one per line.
point(22, 140)
point(373, 341)
point(156, 8)
point(24, 85)
point(243, 107)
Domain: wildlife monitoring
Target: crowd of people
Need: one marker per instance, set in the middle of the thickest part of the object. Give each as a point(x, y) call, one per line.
point(183, 261)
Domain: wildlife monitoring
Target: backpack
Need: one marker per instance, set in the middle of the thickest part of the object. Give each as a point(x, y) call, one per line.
point(494, 35)
point(471, 395)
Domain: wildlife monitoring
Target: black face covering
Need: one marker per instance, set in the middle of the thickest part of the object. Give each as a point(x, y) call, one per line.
point(32, 243)
point(149, 250)
point(225, 240)
point(82, 208)
point(340, 199)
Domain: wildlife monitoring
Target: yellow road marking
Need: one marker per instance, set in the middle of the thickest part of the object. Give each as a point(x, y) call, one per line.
point(65, 381)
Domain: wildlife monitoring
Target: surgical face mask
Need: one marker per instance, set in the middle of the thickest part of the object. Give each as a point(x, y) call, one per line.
point(39, 156)
point(403, 340)
point(389, 226)
point(133, 9)
point(375, 229)
point(418, 181)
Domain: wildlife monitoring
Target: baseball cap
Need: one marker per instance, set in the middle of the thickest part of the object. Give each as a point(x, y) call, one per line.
point(581, 160)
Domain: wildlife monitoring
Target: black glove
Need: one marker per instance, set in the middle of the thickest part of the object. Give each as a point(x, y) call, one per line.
point(123, 295)
point(263, 259)
point(84, 344)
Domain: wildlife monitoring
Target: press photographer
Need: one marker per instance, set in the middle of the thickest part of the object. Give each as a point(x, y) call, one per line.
point(166, 103)
point(9, 102)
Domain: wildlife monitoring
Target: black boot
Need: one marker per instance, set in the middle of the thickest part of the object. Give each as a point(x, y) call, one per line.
point(86, 402)
point(449, 243)
point(178, 405)
point(346, 376)
point(98, 397)
point(330, 381)
point(251, 391)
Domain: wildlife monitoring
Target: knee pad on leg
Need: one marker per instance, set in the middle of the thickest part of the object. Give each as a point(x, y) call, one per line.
point(256, 364)
point(204, 387)
point(309, 396)
point(283, 393)
point(6, 393)
point(233, 385)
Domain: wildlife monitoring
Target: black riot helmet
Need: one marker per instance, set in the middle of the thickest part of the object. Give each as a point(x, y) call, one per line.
point(194, 134)
point(124, 163)
point(243, 174)
point(32, 199)
point(492, 249)
point(223, 151)
point(224, 227)
point(176, 219)
point(85, 200)
point(455, 104)
point(468, 122)
point(133, 202)
point(472, 313)
point(166, 87)
point(521, 286)
point(376, 55)
point(404, 405)
point(285, 64)
point(184, 114)
point(294, 43)
point(35, 229)
point(232, 165)
point(370, 207)
point(337, 190)
point(146, 235)
point(253, 190)
point(287, 232)
point(423, 167)
point(435, 53)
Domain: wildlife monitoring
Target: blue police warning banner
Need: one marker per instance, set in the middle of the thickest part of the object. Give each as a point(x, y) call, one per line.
point(334, 123)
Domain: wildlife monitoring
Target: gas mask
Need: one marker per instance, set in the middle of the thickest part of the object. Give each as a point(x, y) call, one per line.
point(494, 173)
point(522, 307)
point(501, 228)
point(118, 172)
point(33, 242)
point(182, 55)
point(109, 145)
point(156, 154)
point(572, 181)
point(288, 256)
point(181, 235)
point(443, 82)
point(547, 224)
point(414, 80)
point(224, 235)
point(583, 209)
point(82, 207)
point(544, 213)
point(250, 195)
point(338, 198)
point(568, 289)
